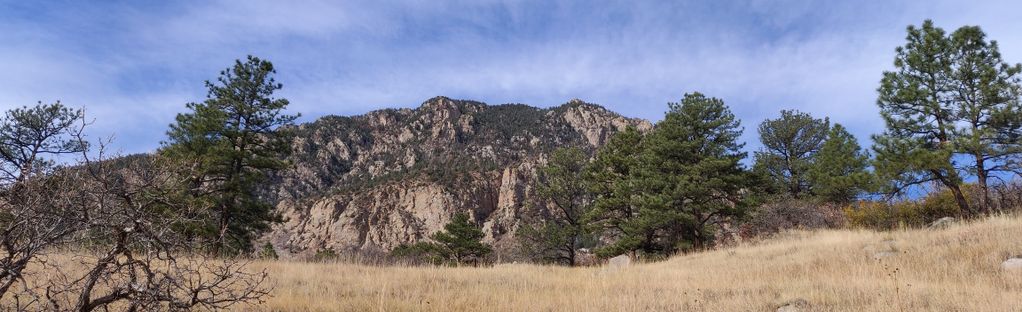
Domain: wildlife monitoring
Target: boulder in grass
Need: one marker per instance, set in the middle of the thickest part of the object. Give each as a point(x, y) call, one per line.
point(584, 257)
point(885, 254)
point(794, 306)
point(942, 223)
point(1013, 264)
point(621, 261)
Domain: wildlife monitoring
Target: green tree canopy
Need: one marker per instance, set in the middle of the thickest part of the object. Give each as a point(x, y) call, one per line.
point(30, 137)
point(561, 188)
point(986, 101)
point(689, 179)
point(232, 140)
point(789, 145)
point(609, 178)
point(949, 97)
point(461, 241)
point(839, 173)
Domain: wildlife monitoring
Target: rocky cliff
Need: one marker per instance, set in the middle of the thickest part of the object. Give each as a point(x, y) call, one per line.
point(371, 182)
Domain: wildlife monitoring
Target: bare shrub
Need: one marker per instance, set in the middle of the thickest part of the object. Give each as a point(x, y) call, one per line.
point(144, 262)
point(120, 220)
point(37, 212)
point(1006, 196)
point(785, 214)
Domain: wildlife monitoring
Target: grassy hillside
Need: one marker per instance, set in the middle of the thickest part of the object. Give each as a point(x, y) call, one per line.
point(955, 269)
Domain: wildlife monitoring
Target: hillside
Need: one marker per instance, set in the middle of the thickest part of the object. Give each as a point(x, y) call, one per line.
point(955, 269)
point(368, 183)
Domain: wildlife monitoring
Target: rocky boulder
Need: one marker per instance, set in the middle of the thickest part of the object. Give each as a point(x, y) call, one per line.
point(1013, 264)
point(586, 257)
point(794, 306)
point(618, 262)
point(942, 223)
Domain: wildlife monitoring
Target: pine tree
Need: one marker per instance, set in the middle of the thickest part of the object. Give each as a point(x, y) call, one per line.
point(986, 95)
point(689, 179)
point(561, 187)
point(232, 140)
point(949, 97)
point(917, 146)
point(838, 173)
point(789, 145)
point(609, 179)
point(460, 241)
point(28, 135)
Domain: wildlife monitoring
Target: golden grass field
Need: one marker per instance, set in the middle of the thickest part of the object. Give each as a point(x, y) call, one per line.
point(955, 269)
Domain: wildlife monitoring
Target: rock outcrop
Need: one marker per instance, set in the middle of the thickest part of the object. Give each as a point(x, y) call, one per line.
point(795, 305)
point(618, 262)
point(1014, 264)
point(942, 223)
point(369, 183)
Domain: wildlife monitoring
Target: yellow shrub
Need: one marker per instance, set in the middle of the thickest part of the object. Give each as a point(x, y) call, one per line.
point(882, 215)
point(870, 214)
point(932, 207)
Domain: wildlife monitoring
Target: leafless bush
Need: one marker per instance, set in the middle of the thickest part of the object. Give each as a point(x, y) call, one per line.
point(36, 210)
point(784, 214)
point(129, 214)
point(147, 264)
point(1006, 196)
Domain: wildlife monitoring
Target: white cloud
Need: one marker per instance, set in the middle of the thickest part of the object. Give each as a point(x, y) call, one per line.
point(137, 66)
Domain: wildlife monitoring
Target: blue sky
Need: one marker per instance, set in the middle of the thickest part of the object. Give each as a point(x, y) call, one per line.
point(133, 65)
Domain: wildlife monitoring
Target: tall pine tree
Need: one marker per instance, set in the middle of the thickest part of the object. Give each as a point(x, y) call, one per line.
point(610, 181)
point(689, 179)
point(838, 173)
point(986, 100)
point(950, 97)
point(232, 141)
point(560, 230)
point(789, 145)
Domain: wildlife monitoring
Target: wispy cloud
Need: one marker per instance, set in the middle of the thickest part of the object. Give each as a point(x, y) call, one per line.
point(134, 66)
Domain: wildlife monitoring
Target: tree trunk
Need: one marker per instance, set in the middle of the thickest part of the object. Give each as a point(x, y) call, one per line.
point(981, 179)
point(85, 302)
point(953, 184)
point(225, 222)
point(963, 204)
point(698, 241)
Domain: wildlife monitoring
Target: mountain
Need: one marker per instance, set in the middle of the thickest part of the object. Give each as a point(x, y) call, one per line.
point(371, 182)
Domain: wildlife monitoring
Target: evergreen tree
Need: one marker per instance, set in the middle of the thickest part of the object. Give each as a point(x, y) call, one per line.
point(460, 241)
point(916, 147)
point(789, 145)
point(29, 135)
point(609, 179)
point(232, 142)
point(561, 187)
point(949, 97)
point(690, 179)
point(549, 241)
point(986, 95)
point(838, 173)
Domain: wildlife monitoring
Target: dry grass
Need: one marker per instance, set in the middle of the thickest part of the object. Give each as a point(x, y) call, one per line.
point(956, 269)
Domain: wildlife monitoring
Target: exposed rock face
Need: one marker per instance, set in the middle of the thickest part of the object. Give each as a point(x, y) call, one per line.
point(372, 182)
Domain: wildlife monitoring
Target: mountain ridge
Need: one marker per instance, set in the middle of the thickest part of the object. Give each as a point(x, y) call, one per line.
point(367, 183)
